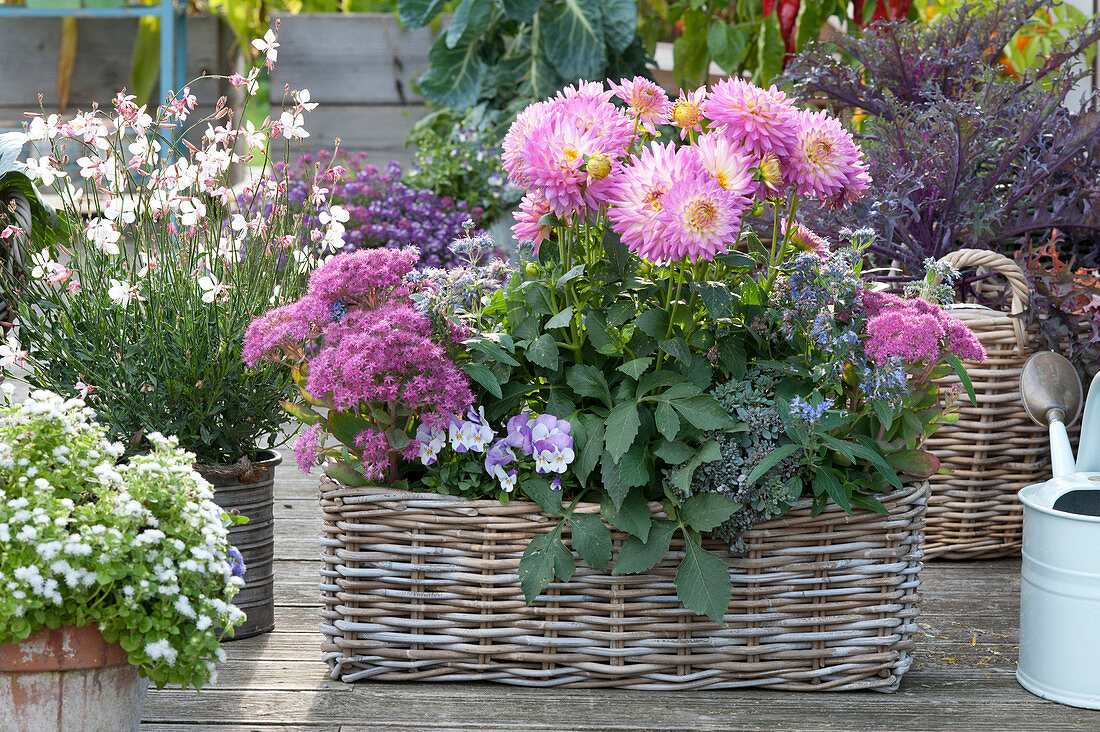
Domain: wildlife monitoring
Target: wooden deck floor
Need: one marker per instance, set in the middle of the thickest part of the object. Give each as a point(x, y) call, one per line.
point(962, 679)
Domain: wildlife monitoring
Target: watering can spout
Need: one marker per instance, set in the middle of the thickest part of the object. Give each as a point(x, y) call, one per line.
point(1061, 453)
point(1051, 392)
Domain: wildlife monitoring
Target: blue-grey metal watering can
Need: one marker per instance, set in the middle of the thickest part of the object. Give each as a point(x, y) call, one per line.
point(1060, 588)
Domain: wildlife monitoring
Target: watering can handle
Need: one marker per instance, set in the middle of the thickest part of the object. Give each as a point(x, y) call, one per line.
point(1021, 291)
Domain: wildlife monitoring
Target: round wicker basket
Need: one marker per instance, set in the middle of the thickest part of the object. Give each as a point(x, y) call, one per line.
point(421, 586)
point(994, 449)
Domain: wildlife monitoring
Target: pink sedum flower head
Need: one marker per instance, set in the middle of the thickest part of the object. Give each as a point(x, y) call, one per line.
point(760, 120)
point(645, 101)
point(914, 331)
point(688, 111)
point(367, 277)
point(826, 163)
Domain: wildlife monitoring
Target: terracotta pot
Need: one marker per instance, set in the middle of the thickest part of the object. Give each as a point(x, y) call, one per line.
point(69, 679)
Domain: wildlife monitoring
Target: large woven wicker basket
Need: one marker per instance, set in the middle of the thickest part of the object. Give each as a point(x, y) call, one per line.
point(422, 586)
point(994, 449)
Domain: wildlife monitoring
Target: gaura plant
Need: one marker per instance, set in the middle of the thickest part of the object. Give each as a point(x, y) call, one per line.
point(657, 354)
point(142, 310)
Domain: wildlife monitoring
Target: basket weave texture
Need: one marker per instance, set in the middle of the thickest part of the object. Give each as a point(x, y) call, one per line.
point(994, 449)
point(420, 586)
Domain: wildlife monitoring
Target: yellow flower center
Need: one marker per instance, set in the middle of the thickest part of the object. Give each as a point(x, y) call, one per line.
point(685, 114)
point(599, 166)
point(820, 152)
point(701, 214)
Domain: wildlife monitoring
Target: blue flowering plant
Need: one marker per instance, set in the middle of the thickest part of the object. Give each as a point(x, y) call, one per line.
point(138, 548)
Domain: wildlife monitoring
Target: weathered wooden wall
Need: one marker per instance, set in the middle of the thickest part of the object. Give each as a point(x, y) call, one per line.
point(361, 69)
point(29, 55)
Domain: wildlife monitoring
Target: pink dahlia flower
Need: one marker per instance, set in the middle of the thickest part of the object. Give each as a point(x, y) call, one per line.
point(805, 239)
point(687, 111)
point(513, 143)
point(701, 219)
point(761, 120)
point(727, 164)
point(637, 201)
point(645, 101)
point(529, 228)
point(586, 89)
point(826, 163)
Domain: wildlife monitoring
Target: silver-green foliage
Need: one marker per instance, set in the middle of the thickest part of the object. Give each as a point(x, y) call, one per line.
point(752, 402)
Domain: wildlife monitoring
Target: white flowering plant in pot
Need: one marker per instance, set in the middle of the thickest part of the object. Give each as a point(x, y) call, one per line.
point(137, 548)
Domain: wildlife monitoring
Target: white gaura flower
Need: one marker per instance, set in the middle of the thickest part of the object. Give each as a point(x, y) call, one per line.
point(42, 262)
point(302, 98)
point(11, 352)
point(318, 196)
point(211, 288)
point(336, 214)
point(91, 166)
point(44, 128)
point(121, 210)
point(104, 234)
point(252, 137)
point(268, 45)
point(293, 125)
point(121, 292)
point(192, 210)
point(42, 169)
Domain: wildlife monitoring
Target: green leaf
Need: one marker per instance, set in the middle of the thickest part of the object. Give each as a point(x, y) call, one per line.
point(657, 380)
point(708, 453)
point(559, 404)
point(620, 22)
point(521, 11)
point(726, 45)
point(653, 322)
point(589, 455)
point(591, 539)
point(345, 426)
point(589, 381)
point(772, 459)
point(483, 376)
point(454, 75)
point(854, 450)
point(545, 557)
point(825, 480)
point(674, 453)
point(544, 352)
point(869, 503)
point(637, 556)
point(770, 48)
point(301, 412)
point(703, 582)
point(737, 261)
point(346, 475)
point(537, 296)
point(491, 349)
point(731, 352)
point(690, 58)
point(538, 490)
point(635, 368)
point(716, 298)
point(668, 424)
point(561, 320)
point(470, 18)
point(884, 412)
point(621, 428)
point(397, 439)
point(677, 348)
point(704, 412)
point(963, 377)
point(706, 511)
point(632, 516)
point(918, 463)
point(572, 274)
point(572, 36)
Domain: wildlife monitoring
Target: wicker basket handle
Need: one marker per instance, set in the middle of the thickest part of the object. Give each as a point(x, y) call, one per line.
point(994, 262)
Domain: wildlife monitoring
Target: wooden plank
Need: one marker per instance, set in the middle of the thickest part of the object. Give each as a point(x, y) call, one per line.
point(434, 706)
point(104, 47)
point(377, 129)
point(350, 58)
